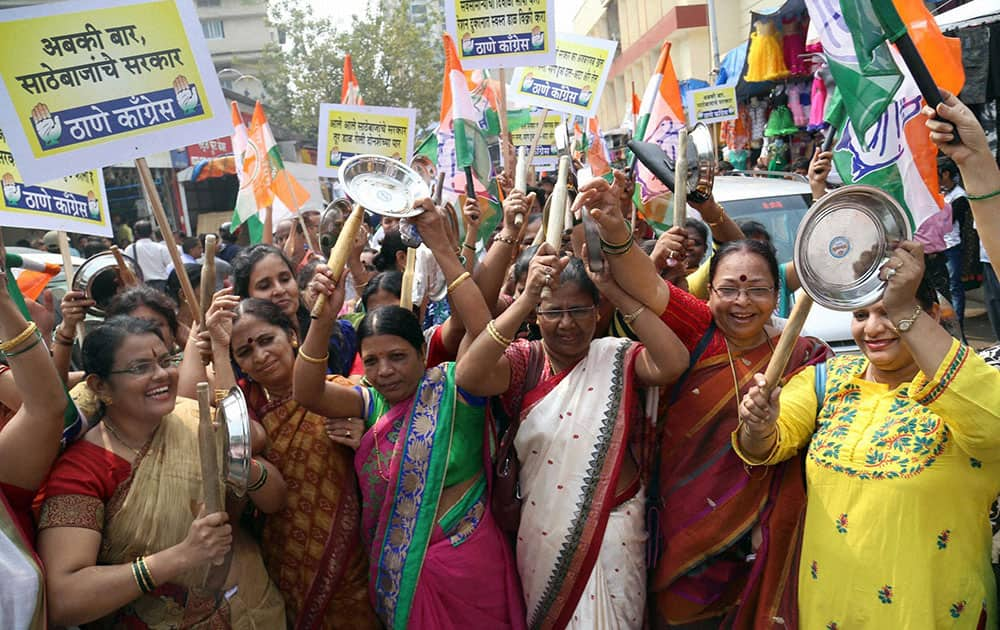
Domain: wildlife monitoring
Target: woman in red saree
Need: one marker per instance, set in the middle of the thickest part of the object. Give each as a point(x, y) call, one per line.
point(311, 546)
point(437, 558)
point(580, 541)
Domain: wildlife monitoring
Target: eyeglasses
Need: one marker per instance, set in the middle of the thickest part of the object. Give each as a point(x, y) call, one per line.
point(148, 368)
point(756, 294)
point(576, 314)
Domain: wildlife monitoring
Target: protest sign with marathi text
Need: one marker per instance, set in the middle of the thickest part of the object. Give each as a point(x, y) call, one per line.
point(575, 83)
point(502, 33)
point(349, 130)
point(97, 82)
point(714, 104)
point(546, 154)
point(75, 203)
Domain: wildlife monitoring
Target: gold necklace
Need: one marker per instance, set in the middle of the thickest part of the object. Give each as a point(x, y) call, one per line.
point(378, 454)
point(732, 365)
point(110, 427)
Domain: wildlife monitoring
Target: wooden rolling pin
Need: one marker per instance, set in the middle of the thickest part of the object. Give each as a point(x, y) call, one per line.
point(341, 250)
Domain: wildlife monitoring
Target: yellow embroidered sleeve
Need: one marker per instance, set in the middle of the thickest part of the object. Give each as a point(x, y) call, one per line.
point(796, 419)
point(698, 282)
point(965, 392)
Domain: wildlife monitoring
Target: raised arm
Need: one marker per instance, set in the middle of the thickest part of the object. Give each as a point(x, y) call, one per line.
point(483, 370)
point(633, 270)
point(663, 357)
point(491, 273)
point(29, 443)
point(980, 175)
point(309, 385)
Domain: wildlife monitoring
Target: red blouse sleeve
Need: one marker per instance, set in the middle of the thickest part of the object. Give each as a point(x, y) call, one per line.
point(436, 351)
point(517, 354)
point(82, 480)
point(687, 316)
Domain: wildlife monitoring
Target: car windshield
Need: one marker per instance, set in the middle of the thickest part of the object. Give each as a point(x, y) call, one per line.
point(779, 215)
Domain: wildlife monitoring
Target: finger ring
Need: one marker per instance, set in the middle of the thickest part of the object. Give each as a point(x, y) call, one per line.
point(890, 273)
point(898, 265)
point(548, 278)
point(347, 433)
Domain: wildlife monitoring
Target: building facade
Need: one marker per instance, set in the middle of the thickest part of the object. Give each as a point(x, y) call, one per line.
point(641, 27)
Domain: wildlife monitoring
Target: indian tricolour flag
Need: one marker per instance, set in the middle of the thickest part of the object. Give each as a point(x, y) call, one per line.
point(461, 142)
point(350, 90)
point(883, 139)
point(661, 117)
point(246, 206)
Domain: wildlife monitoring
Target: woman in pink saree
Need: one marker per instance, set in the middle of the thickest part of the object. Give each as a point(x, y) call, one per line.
point(437, 558)
point(581, 539)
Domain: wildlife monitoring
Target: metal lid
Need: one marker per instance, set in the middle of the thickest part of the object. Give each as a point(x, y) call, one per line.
point(234, 415)
point(383, 186)
point(843, 241)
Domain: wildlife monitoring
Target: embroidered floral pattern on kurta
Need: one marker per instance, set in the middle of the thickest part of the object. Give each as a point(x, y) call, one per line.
point(899, 484)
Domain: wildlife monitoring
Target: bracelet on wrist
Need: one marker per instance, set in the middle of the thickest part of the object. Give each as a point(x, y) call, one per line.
point(720, 220)
point(20, 338)
point(469, 246)
point(491, 328)
point(10, 354)
point(617, 250)
point(984, 197)
point(458, 281)
point(257, 485)
point(143, 578)
point(314, 360)
point(510, 240)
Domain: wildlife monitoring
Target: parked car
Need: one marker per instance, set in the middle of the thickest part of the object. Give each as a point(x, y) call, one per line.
point(780, 204)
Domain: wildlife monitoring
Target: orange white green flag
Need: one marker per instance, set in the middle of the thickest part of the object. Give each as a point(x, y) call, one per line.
point(883, 140)
point(245, 210)
point(461, 142)
point(661, 117)
point(350, 91)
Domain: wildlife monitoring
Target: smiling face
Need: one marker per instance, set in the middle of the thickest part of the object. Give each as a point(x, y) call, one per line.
point(742, 319)
point(567, 335)
point(145, 398)
point(392, 366)
point(272, 280)
point(875, 335)
point(263, 351)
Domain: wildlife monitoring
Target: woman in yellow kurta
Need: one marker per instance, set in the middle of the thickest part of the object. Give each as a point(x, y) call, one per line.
point(903, 454)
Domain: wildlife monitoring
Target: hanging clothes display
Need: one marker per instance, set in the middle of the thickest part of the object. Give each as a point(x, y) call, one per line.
point(817, 103)
point(780, 122)
point(799, 103)
point(793, 44)
point(757, 111)
point(765, 58)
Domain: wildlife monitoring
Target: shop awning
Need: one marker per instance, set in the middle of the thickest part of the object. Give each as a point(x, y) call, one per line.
point(975, 13)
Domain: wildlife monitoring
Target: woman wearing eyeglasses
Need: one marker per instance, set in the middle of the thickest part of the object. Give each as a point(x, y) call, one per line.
point(572, 400)
point(725, 535)
point(123, 540)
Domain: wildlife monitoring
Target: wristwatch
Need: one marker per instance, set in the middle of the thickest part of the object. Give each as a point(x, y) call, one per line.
point(906, 323)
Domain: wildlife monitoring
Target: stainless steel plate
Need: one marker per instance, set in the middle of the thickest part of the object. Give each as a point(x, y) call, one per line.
point(843, 241)
point(383, 186)
point(701, 163)
point(234, 416)
point(99, 278)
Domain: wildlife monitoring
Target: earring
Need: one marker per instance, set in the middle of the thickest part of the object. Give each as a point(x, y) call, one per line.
point(106, 400)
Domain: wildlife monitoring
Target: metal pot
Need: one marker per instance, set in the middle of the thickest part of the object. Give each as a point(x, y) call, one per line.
point(100, 279)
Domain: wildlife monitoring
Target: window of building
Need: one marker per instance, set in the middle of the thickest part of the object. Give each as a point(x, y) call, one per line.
point(213, 29)
point(209, 3)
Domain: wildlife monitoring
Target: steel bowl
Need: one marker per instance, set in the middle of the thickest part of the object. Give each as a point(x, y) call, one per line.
point(234, 415)
point(843, 241)
point(100, 279)
point(383, 186)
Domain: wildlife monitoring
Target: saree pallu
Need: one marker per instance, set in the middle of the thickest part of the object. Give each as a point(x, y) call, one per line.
point(22, 594)
point(711, 504)
point(150, 511)
point(425, 572)
point(311, 547)
point(572, 442)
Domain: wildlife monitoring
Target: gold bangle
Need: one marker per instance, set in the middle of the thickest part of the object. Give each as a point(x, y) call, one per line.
point(29, 330)
point(318, 361)
point(627, 243)
point(630, 317)
point(722, 218)
point(147, 576)
point(459, 280)
point(497, 337)
point(257, 485)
